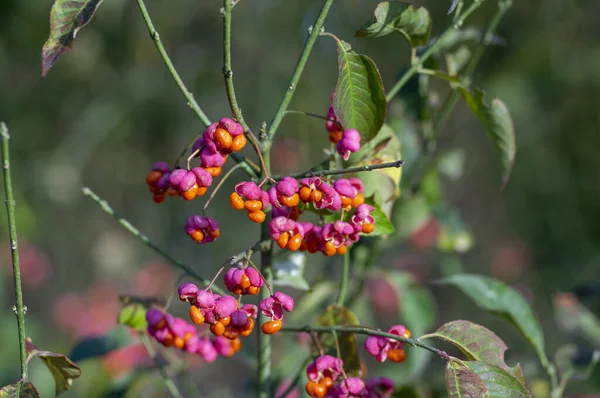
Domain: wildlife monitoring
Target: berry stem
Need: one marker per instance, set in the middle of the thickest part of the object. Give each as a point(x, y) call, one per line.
point(189, 159)
point(19, 309)
point(136, 232)
point(418, 63)
point(338, 351)
point(365, 331)
point(344, 280)
point(295, 112)
point(322, 173)
point(214, 192)
point(291, 89)
point(169, 383)
point(215, 278)
point(267, 284)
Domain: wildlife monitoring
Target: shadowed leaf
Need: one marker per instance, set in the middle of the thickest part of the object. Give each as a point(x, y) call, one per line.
point(414, 23)
point(98, 346)
point(498, 125)
point(22, 389)
point(337, 315)
point(62, 368)
point(498, 383)
point(66, 18)
point(477, 343)
point(359, 100)
point(461, 382)
point(494, 296)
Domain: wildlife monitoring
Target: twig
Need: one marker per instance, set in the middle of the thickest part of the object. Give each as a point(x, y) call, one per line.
point(317, 116)
point(431, 50)
point(310, 42)
point(366, 331)
point(169, 383)
point(322, 173)
point(135, 232)
point(344, 280)
point(12, 228)
point(214, 192)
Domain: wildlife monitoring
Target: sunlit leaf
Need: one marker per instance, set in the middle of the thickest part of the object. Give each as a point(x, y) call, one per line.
point(494, 296)
point(359, 100)
point(498, 383)
point(62, 368)
point(289, 271)
point(99, 346)
point(498, 125)
point(337, 315)
point(461, 382)
point(133, 311)
point(66, 18)
point(22, 389)
point(477, 343)
point(383, 226)
point(414, 23)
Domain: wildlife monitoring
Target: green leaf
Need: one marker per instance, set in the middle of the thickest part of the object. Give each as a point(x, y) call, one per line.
point(22, 389)
point(62, 368)
point(385, 141)
point(498, 383)
point(498, 125)
point(457, 60)
point(477, 343)
point(99, 346)
point(410, 214)
point(66, 18)
point(289, 271)
point(337, 315)
point(461, 382)
point(494, 296)
point(133, 311)
point(359, 100)
point(414, 23)
point(383, 225)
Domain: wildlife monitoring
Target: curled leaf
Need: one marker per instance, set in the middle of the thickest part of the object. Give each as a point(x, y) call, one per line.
point(62, 368)
point(66, 18)
point(22, 389)
point(498, 383)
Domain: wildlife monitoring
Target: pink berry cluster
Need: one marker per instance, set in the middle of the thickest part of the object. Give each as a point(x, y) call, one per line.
point(217, 141)
point(324, 372)
point(171, 331)
point(383, 348)
point(346, 141)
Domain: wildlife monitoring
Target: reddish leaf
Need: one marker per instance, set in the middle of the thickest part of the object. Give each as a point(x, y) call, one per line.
point(462, 382)
point(22, 389)
point(62, 368)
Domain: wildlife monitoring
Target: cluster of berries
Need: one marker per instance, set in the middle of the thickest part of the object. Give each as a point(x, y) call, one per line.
point(249, 196)
point(346, 141)
point(171, 331)
point(383, 348)
point(323, 372)
point(217, 141)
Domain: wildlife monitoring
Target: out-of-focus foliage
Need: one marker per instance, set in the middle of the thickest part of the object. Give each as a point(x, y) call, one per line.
point(109, 109)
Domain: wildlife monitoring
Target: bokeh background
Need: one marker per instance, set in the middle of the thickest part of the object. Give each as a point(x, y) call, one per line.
point(109, 109)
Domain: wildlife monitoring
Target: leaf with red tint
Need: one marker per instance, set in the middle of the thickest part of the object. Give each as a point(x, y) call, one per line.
point(66, 18)
point(22, 389)
point(62, 368)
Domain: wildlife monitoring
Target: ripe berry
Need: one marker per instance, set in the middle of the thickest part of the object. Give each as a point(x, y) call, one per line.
point(326, 382)
point(329, 248)
point(397, 355)
point(153, 177)
point(178, 342)
point(316, 196)
point(367, 228)
point(283, 240)
point(236, 202)
point(342, 250)
point(253, 205)
point(253, 290)
point(335, 136)
point(358, 200)
point(294, 243)
point(406, 334)
point(236, 345)
point(315, 390)
point(290, 201)
point(190, 193)
point(217, 329)
point(257, 216)
point(196, 316)
point(231, 333)
point(238, 143)
point(213, 171)
point(305, 194)
point(167, 340)
point(272, 327)
point(223, 137)
point(158, 197)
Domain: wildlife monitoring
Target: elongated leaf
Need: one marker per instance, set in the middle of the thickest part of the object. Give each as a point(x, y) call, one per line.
point(498, 383)
point(414, 23)
point(62, 368)
point(461, 382)
point(66, 18)
point(359, 100)
point(498, 125)
point(99, 346)
point(494, 296)
point(337, 315)
point(22, 389)
point(477, 343)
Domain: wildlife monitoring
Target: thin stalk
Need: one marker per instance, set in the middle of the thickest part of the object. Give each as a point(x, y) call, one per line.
point(214, 192)
point(431, 50)
point(227, 69)
point(136, 232)
point(344, 281)
point(365, 331)
point(322, 173)
point(169, 383)
point(310, 42)
point(12, 229)
point(264, 341)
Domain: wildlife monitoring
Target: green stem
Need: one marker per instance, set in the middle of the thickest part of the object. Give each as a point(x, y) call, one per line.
point(12, 228)
point(136, 232)
point(322, 173)
point(264, 340)
point(432, 49)
point(365, 331)
point(310, 42)
point(169, 383)
point(227, 69)
point(344, 281)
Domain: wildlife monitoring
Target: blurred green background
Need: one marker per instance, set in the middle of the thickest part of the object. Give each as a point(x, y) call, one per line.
point(109, 109)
